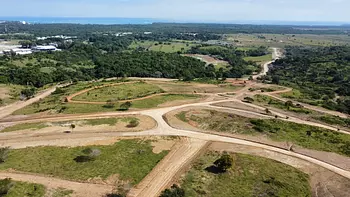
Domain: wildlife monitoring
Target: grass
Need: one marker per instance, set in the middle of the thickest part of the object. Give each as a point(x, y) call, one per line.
point(119, 92)
point(102, 121)
point(24, 126)
point(61, 192)
point(131, 160)
point(173, 47)
point(303, 135)
point(250, 176)
point(259, 59)
point(9, 93)
point(269, 101)
point(334, 120)
point(24, 189)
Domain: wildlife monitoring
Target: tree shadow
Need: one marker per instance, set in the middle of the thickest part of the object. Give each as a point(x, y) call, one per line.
point(214, 169)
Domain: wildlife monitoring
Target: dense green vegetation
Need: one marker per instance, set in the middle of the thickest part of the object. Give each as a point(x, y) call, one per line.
point(321, 75)
point(81, 163)
point(248, 176)
point(238, 66)
point(9, 188)
point(303, 135)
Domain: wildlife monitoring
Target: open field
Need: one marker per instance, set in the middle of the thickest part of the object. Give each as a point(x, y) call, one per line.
point(281, 131)
point(119, 92)
point(249, 176)
point(102, 124)
point(279, 40)
point(11, 188)
point(259, 59)
point(195, 87)
point(210, 60)
point(167, 47)
point(9, 93)
point(118, 162)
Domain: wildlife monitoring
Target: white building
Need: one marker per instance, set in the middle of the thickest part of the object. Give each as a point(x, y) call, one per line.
point(44, 48)
point(18, 51)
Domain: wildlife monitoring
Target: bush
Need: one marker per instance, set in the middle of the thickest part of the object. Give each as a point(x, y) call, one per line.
point(83, 159)
point(133, 123)
point(28, 92)
point(5, 186)
point(224, 162)
point(174, 191)
point(125, 106)
point(3, 154)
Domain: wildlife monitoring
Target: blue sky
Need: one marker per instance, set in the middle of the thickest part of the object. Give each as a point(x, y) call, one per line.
point(190, 10)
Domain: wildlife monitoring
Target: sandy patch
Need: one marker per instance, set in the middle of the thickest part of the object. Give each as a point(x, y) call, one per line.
point(162, 145)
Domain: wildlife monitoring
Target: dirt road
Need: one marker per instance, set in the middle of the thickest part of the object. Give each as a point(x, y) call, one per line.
point(163, 174)
point(80, 189)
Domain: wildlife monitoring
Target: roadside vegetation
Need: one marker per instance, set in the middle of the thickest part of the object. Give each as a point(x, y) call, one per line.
point(246, 176)
point(278, 130)
point(83, 163)
point(10, 188)
point(10, 93)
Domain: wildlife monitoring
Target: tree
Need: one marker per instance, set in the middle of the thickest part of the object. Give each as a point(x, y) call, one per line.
point(224, 162)
point(289, 104)
point(5, 186)
point(28, 92)
point(174, 191)
point(109, 104)
point(267, 111)
point(125, 106)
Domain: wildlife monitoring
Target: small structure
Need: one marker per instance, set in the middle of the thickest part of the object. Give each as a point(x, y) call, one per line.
point(44, 48)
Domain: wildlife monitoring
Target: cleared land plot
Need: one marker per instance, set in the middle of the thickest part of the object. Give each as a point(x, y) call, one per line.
point(248, 176)
point(194, 87)
point(128, 161)
point(11, 188)
point(208, 59)
point(167, 47)
point(119, 92)
point(259, 59)
point(9, 93)
point(55, 103)
point(131, 123)
point(281, 131)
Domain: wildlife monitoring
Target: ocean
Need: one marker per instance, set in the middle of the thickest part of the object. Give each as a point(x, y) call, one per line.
point(83, 20)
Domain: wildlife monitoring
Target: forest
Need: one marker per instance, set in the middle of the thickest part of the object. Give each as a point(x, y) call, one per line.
point(320, 73)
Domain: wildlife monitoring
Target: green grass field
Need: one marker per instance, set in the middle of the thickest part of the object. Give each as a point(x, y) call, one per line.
point(131, 160)
point(250, 176)
point(303, 135)
point(259, 59)
point(17, 189)
point(119, 92)
point(167, 47)
point(24, 126)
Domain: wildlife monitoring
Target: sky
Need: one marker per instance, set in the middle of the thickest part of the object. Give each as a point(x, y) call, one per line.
point(185, 10)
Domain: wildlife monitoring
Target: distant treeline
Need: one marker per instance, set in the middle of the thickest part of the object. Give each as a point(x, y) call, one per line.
point(168, 30)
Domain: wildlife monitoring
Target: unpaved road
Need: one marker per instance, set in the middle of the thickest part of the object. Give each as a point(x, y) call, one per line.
point(80, 189)
point(163, 174)
point(275, 55)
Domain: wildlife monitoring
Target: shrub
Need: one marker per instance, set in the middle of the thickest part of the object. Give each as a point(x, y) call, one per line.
point(5, 186)
point(224, 162)
point(174, 191)
point(83, 159)
point(133, 123)
point(3, 154)
point(125, 106)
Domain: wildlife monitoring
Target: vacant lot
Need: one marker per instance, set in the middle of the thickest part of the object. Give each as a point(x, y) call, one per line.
point(259, 59)
point(55, 103)
point(119, 92)
point(167, 47)
point(248, 176)
point(105, 124)
point(303, 135)
point(126, 160)
point(9, 93)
